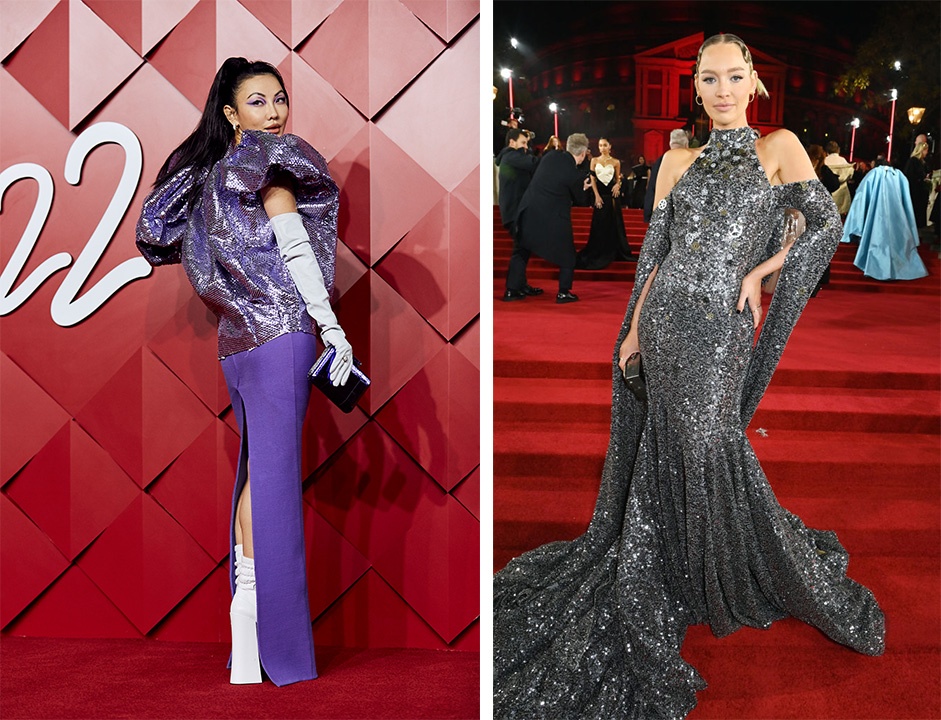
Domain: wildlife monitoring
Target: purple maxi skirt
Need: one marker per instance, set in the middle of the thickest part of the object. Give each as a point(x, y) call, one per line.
point(269, 391)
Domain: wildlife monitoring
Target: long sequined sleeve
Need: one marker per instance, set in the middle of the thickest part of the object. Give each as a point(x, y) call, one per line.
point(260, 156)
point(164, 217)
point(654, 249)
point(803, 267)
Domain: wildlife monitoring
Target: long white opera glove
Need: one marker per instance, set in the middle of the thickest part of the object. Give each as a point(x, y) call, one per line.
point(297, 253)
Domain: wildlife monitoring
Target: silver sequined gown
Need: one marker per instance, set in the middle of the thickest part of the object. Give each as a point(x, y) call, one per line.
point(686, 528)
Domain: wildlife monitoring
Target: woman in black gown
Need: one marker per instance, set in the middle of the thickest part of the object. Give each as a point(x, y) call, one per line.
point(686, 529)
point(607, 239)
point(641, 173)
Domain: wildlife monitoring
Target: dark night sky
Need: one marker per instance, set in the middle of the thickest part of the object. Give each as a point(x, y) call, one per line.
point(542, 23)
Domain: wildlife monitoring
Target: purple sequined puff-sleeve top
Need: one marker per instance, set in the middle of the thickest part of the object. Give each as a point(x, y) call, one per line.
point(225, 241)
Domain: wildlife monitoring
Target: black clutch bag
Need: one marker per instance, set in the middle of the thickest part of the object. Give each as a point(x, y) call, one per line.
point(634, 377)
point(346, 396)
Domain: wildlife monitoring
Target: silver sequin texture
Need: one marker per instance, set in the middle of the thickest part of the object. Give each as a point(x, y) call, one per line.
point(686, 528)
point(225, 241)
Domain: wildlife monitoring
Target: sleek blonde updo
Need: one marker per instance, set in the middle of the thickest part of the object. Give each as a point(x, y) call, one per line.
point(729, 39)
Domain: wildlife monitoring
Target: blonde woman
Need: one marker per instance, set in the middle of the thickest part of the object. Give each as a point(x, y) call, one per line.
point(686, 529)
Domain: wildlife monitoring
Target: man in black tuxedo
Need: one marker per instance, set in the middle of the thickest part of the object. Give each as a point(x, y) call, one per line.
point(545, 219)
point(517, 165)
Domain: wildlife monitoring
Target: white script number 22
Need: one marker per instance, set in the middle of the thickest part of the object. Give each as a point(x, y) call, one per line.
point(67, 309)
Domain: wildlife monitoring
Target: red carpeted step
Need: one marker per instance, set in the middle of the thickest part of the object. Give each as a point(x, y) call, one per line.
point(799, 462)
point(795, 408)
point(844, 275)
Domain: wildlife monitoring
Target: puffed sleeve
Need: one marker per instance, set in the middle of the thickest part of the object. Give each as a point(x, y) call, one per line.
point(803, 267)
point(261, 156)
point(164, 216)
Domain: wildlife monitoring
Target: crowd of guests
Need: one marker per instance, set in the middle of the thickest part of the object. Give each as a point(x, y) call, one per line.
point(539, 186)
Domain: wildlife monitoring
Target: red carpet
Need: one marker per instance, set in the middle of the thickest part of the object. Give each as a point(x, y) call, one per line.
point(55, 678)
point(853, 443)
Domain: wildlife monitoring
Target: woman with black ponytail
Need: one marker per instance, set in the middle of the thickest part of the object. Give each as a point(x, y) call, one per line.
point(252, 214)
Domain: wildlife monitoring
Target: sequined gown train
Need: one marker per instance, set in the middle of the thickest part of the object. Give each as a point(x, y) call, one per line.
point(686, 528)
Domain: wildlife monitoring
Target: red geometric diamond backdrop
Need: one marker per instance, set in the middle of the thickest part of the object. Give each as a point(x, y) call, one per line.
point(118, 442)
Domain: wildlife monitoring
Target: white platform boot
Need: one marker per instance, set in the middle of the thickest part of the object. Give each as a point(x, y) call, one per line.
point(246, 667)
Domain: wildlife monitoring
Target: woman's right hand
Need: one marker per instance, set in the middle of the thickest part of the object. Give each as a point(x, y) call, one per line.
point(342, 363)
point(599, 203)
point(628, 348)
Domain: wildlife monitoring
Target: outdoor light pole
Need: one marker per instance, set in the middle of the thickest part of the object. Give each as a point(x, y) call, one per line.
point(888, 155)
point(507, 75)
point(555, 114)
point(854, 124)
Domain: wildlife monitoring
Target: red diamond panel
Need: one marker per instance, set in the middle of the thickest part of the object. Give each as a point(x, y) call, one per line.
point(213, 31)
point(441, 96)
point(468, 191)
point(20, 18)
point(291, 21)
point(468, 342)
point(197, 488)
point(436, 267)
point(122, 16)
point(70, 84)
point(28, 418)
point(393, 345)
point(145, 563)
point(369, 74)
point(203, 615)
point(333, 564)
point(141, 23)
point(372, 614)
point(436, 417)
point(418, 538)
point(72, 489)
point(73, 606)
point(28, 561)
point(401, 192)
point(188, 346)
point(157, 19)
point(319, 113)
point(349, 269)
point(350, 169)
point(468, 493)
point(145, 417)
point(445, 17)
point(469, 640)
point(326, 428)
point(383, 193)
point(46, 75)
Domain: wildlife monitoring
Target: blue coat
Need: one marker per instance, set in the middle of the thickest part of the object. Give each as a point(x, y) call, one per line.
point(882, 220)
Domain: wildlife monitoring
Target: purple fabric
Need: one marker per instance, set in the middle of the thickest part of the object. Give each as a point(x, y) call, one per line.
point(225, 241)
point(269, 391)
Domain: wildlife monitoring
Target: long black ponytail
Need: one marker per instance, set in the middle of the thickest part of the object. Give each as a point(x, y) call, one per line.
point(213, 134)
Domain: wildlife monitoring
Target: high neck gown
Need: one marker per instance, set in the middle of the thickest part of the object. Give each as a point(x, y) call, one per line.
point(686, 529)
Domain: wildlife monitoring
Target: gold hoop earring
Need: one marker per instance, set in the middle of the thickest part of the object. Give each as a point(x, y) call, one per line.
point(751, 96)
point(698, 100)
